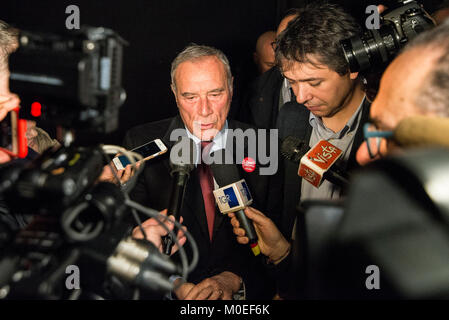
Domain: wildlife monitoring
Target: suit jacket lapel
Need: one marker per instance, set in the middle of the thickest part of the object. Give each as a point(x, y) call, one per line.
point(358, 139)
point(193, 199)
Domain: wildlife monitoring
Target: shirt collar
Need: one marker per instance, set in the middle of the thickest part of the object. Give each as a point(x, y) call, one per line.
point(219, 141)
point(350, 125)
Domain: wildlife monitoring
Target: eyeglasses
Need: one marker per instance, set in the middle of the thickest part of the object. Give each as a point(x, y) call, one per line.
point(373, 138)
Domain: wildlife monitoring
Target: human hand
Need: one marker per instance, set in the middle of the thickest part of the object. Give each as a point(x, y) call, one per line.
point(8, 103)
point(4, 157)
point(154, 232)
point(271, 241)
point(124, 175)
point(381, 8)
point(219, 287)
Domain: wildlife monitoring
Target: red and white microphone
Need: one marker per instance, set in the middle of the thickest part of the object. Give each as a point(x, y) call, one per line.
point(316, 165)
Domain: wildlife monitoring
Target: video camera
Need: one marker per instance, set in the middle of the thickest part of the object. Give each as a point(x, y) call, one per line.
point(74, 81)
point(374, 49)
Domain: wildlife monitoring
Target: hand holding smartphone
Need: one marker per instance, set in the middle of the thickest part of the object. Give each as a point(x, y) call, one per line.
point(148, 151)
point(12, 129)
point(7, 104)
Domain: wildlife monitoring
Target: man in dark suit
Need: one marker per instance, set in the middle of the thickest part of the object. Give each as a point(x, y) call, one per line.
point(202, 85)
point(330, 100)
point(405, 91)
point(330, 105)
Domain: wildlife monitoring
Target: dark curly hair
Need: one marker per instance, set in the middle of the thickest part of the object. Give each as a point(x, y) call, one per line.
point(317, 31)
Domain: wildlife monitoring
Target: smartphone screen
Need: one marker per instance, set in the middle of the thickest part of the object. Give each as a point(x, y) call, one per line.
point(146, 151)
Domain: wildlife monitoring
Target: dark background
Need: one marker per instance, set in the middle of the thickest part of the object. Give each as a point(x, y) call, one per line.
point(159, 29)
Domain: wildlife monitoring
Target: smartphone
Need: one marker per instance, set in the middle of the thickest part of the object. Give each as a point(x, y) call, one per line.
point(13, 134)
point(148, 151)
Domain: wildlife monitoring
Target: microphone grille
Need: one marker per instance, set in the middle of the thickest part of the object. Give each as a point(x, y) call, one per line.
point(223, 173)
point(294, 148)
point(183, 155)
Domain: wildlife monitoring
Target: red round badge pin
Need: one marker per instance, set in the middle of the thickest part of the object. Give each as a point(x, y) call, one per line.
point(249, 164)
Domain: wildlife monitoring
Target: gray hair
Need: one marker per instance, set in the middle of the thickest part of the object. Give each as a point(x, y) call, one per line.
point(8, 43)
point(433, 96)
point(194, 52)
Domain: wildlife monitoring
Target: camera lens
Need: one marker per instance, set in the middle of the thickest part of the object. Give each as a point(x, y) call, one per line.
point(375, 48)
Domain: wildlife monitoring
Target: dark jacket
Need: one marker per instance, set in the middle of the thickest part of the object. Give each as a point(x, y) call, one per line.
point(293, 120)
point(291, 273)
point(223, 253)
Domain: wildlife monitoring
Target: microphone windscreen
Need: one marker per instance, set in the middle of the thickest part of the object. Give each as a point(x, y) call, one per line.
point(225, 174)
point(294, 149)
point(423, 131)
point(183, 155)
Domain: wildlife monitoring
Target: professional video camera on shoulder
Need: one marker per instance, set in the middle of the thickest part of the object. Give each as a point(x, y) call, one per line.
point(72, 80)
point(375, 49)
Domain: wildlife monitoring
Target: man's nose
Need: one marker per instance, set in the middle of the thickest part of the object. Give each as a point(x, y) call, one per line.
point(205, 107)
point(302, 93)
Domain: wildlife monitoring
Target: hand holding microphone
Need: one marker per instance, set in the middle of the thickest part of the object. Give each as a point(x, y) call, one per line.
point(154, 232)
point(271, 241)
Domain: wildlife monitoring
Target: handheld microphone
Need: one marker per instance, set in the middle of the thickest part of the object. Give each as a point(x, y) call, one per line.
point(423, 131)
point(234, 196)
point(293, 148)
point(316, 164)
point(182, 159)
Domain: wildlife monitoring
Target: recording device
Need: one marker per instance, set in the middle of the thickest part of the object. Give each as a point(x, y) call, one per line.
point(54, 181)
point(139, 262)
point(182, 159)
point(71, 79)
point(293, 148)
point(76, 222)
point(422, 131)
point(316, 164)
point(234, 196)
point(374, 49)
point(13, 134)
point(397, 219)
point(148, 151)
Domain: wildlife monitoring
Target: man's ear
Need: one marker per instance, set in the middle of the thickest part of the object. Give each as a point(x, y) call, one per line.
point(353, 75)
point(232, 86)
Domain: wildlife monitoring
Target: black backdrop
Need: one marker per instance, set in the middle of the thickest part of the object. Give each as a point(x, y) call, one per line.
point(157, 30)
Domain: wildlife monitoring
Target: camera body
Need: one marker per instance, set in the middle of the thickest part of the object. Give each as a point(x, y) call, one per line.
point(374, 49)
point(72, 80)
